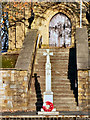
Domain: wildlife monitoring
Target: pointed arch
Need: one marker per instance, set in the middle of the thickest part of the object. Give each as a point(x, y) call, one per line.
point(60, 30)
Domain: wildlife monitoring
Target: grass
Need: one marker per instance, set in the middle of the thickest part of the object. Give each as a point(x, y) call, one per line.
point(8, 61)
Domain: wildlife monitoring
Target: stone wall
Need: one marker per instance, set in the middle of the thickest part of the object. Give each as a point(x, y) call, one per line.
point(16, 36)
point(89, 93)
point(18, 31)
point(13, 90)
point(83, 83)
point(43, 14)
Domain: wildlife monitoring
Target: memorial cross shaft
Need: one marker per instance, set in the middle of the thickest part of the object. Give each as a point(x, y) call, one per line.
point(48, 70)
point(48, 94)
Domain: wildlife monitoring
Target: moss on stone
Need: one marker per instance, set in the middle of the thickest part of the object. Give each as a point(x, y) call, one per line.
point(8, 61)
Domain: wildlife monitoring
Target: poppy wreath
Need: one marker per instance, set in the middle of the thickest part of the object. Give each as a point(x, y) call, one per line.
point(48, 104)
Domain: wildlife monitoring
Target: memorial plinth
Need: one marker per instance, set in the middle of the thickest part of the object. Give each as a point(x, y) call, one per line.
point(48, 113)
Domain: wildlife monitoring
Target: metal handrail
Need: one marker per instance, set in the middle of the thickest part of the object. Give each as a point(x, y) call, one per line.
point(33, 60)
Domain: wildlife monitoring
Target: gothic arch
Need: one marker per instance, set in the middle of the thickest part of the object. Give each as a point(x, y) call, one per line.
point(60, 31)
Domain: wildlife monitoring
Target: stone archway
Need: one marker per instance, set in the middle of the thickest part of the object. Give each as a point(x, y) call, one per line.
point(60, 31)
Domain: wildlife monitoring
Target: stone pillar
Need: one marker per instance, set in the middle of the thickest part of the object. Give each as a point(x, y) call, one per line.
point(82, 48)
point(82, 66)
point(89, 93)
point(83, 90)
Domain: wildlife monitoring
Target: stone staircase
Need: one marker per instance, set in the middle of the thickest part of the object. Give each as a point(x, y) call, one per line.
point(64, 99)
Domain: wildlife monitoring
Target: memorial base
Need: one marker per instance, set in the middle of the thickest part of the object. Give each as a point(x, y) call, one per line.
point(53, 112)
point(48, 96)
point(48, 113)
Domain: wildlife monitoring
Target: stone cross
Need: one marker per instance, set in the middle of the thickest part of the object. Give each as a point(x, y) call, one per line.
point(48, 94)
point(48, 55)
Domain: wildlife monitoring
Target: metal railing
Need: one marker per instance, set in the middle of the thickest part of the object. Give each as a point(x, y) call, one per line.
point(36, 45)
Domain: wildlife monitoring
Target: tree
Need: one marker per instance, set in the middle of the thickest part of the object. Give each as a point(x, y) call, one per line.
point(12, 13)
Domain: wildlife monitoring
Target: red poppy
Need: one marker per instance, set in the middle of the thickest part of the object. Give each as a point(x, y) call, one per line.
point(50, 108)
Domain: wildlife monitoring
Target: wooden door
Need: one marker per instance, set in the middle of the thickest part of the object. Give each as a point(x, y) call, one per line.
point(60, 31)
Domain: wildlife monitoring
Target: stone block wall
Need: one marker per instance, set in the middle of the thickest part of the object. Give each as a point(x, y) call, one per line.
point(43, 14)
point(13, 90)
point(83, 83)
point(89, 93)
point(18, 31)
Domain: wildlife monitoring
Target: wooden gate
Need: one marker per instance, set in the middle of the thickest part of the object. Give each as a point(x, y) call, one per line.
point(60, 31)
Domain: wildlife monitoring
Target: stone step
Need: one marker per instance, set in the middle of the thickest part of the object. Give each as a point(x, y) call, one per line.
point(52, 60)
point(52, 70)
point(54, 84)
point(61, 86)
point(59, 74)
point(56, 88)
point(53, 73)
point(55, 91)
point(52, 67)
point(52, 63)
point(54, 81)
point(55, 57)
point(64, 101)
point(58, 108)
point(63, 91)
point(55, 77)
point(54, 51)
point(65, 104)
point(60, 102)
point(69, 98)
point(55, 95)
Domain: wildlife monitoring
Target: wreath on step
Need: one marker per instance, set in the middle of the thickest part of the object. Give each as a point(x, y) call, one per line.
point(48, 106)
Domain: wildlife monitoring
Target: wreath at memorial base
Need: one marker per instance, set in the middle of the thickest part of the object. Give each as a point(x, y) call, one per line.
point(48, 107)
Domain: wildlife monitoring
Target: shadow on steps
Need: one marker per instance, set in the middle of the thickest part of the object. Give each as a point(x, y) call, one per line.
point(72, 72)
point(39, 102)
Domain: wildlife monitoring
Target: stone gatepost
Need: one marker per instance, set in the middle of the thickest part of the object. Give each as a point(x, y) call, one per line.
point(82, 66)
point(82, 48)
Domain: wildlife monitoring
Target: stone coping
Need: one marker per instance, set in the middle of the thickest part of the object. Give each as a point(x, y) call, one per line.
point(12, 69)
point(11, 53)
point(34, 114)
point(84, 69)
point(43, 116)
point(53, 47)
